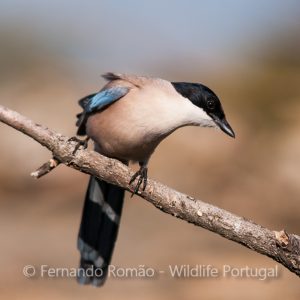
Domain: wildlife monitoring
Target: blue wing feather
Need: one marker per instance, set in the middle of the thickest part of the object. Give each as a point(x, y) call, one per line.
point(105, 97)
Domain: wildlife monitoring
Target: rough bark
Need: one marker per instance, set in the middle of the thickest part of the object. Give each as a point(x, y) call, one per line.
point(280, 246)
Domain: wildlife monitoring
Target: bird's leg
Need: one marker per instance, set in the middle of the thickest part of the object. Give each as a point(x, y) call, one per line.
point(143, 176)
point(83, 143)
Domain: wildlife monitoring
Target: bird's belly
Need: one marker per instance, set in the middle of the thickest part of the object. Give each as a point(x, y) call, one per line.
point(121, 140)
point(131, 128)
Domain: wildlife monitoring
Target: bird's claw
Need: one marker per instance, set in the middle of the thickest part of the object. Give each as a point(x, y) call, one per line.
point(142, 173)
point(83, 143)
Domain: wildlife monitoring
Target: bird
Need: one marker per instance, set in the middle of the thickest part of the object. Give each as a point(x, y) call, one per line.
point(127, 119)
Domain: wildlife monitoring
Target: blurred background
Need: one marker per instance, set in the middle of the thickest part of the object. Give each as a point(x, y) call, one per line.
point(53, 52)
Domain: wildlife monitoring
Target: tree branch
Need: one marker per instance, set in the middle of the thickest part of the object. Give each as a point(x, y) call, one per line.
point(280, 246)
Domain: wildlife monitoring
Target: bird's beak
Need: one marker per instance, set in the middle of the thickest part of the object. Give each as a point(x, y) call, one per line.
point(224, 126)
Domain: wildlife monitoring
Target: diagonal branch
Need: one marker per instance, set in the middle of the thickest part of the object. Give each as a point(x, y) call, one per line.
point(280, 246)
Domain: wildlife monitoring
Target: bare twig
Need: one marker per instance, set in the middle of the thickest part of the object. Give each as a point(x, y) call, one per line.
point(280, 246)
point(45, 168)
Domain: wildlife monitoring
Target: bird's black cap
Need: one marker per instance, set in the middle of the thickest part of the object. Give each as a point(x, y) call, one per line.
point(203, 97)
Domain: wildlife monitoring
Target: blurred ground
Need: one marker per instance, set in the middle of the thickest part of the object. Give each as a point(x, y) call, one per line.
point(255, 176)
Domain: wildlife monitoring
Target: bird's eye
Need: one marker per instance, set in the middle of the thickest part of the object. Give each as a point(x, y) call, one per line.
point(211, 104)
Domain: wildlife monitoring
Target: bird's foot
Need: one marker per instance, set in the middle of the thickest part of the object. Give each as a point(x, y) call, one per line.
point(83, 143)
point(142, 173)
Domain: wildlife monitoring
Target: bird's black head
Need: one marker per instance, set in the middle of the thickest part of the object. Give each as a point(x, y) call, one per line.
point(207, 100)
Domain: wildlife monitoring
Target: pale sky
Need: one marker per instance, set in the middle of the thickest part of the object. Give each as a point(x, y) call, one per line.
point(134, 35)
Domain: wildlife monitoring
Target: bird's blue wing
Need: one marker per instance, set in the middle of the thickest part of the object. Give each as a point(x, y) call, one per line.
point(105, 97)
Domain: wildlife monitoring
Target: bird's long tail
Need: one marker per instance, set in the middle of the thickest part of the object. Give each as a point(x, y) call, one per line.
point(98, 230)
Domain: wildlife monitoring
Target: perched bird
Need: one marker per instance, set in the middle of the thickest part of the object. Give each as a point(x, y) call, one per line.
point(127, 119)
